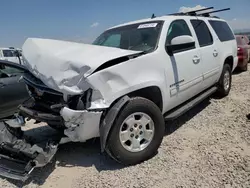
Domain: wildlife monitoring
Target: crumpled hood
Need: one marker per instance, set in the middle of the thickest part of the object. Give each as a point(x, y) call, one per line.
point(63, 65)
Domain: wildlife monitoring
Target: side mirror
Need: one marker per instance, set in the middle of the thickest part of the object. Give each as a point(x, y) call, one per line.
point(180, 43)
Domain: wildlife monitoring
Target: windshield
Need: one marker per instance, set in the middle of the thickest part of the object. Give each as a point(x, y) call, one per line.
point(138, 37)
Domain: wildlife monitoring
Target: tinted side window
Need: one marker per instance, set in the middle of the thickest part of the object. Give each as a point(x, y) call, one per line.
point(177, 28)
point(222, 30)
point(203, 34)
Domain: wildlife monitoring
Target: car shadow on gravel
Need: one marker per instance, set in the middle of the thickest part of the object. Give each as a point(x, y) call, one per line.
point(88, 154)
point(73, 155)
point(172, 126)
point(237, 71)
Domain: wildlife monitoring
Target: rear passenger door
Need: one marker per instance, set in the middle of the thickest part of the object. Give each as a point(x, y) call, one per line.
point(209, 52)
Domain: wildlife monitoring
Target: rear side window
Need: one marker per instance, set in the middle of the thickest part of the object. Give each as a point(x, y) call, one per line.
point(203, 34)
point(222, 30)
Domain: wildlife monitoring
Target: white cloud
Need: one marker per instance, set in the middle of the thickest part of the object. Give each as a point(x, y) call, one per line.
point(95, 24)
point(187, 9)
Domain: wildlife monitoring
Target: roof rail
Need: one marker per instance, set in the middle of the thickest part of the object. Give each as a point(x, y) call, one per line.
point(191, 13)
point(207, 14)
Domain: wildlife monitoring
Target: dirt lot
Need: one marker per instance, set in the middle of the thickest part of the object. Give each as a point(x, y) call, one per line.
point(207, 147)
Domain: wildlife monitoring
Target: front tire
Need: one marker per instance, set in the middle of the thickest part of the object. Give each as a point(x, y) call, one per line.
point(224, 84)
point(137, 132)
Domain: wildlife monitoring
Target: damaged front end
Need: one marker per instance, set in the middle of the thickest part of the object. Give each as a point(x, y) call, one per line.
point(70, 115)
point(62, 95)
point(20, 154)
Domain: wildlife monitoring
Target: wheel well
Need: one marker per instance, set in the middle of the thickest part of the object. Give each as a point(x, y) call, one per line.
point(152, 93)
point(230, 61)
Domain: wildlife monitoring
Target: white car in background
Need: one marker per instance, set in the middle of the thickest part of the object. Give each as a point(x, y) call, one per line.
point(9, 54)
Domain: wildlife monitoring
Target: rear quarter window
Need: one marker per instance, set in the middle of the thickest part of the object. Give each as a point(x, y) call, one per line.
point(222, 30)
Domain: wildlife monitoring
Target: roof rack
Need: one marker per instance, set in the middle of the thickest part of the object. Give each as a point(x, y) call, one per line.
point(194, 13)
point(191, 13)
point(207, 14)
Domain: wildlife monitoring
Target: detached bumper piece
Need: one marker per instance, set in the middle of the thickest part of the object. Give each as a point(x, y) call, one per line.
point(20, 154)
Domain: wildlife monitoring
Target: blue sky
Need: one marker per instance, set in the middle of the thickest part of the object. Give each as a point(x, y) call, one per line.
point(83, 20)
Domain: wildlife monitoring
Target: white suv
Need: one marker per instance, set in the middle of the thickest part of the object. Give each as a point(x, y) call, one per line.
point(133, 77)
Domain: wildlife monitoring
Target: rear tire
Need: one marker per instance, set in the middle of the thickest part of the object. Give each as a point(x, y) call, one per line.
point(224, 84)
point(141, 123)
point(245, 68)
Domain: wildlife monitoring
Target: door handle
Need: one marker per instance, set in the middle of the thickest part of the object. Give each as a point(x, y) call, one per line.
point(196, 59)
point(215, 53)
point(2, 85)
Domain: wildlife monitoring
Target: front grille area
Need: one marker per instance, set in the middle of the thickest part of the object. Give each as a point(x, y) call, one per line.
point(48, 98)
point(44, 97)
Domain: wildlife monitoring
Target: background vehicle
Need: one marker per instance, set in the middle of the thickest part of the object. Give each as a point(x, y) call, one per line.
point(248, 43)
point(12, 91)
point(9, 54)
point(243, 49)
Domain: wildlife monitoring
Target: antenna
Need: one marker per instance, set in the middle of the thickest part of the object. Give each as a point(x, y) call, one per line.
point(153, 16)
point(193, 12)
point(207, 14)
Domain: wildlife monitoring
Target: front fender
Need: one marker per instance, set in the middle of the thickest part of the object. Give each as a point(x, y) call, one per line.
point(109, 119)
point(112, 83)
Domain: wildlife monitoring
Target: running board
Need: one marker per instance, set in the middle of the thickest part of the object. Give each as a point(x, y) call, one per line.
point(187, 106)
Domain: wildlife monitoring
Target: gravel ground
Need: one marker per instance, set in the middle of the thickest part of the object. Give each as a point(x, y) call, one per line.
point(207, 147)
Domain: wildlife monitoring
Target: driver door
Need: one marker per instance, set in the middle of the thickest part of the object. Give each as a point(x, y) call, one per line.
point(185, 72)
point(12, 92)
